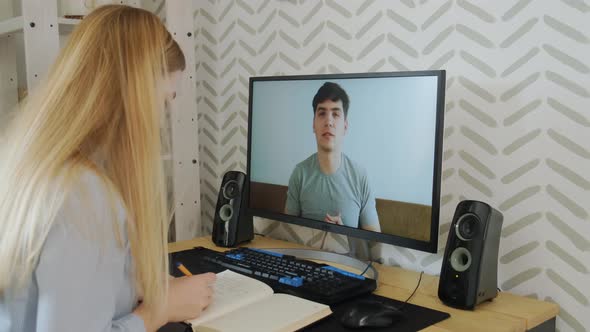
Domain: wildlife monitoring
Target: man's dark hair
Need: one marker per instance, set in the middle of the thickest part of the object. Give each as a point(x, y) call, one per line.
point(333, 92)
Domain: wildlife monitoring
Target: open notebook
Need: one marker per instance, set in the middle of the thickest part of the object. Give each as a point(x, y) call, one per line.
point(245, 304)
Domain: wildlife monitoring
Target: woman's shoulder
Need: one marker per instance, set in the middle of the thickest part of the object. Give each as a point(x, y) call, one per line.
point(95, 181)
point(92, 185)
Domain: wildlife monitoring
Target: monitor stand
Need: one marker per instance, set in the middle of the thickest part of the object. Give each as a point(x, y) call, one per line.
point(359, 248)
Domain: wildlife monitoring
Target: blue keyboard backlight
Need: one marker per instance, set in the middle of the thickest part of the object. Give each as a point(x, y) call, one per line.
point(343, 272)
point(267, 252)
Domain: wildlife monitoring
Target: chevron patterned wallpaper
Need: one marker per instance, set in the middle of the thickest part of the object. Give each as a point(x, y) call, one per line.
point(517, 118)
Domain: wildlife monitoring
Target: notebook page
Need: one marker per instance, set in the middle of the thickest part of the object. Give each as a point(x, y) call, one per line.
point(231, 291)
point(277, 313)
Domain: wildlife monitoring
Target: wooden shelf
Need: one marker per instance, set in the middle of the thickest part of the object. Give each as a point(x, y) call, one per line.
point(66, 25)
point(11, 25)
point(15, 24)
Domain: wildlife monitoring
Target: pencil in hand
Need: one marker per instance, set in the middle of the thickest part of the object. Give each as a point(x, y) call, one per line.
point(183, 269)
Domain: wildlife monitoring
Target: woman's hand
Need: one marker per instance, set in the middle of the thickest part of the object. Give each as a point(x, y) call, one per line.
point(189, 296)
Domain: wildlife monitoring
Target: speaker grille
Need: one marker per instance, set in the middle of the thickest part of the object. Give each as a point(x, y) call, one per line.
point(226, 212)
point(467, 227)
point(231, 190)
point(461, 259)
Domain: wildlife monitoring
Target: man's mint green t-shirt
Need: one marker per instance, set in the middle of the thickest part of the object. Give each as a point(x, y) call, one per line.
point(313, 194)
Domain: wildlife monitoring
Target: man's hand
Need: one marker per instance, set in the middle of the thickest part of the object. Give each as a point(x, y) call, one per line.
point(337, 220)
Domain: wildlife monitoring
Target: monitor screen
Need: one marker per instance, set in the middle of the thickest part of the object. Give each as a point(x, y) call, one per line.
point(355, 154)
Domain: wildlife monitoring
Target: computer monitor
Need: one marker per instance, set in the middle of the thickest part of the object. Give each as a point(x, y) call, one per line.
point(354, 154)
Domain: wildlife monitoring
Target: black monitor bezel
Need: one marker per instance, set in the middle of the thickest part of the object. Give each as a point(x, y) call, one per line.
point(427, 246)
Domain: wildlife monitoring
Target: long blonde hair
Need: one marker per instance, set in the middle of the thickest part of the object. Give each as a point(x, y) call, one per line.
point(102, 96)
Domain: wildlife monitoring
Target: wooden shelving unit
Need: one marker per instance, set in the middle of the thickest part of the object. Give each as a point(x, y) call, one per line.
point(66, 25)
point(31, 33)
point(11, 25)
point(39, 27)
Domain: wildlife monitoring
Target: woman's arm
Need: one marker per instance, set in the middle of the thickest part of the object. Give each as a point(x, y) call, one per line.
point(84, 276)
point(78, 284)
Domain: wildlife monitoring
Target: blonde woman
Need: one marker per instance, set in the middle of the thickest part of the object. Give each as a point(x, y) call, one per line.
point(83, 216)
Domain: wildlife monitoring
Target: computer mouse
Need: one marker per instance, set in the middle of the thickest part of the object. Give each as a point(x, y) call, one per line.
point(370, 314)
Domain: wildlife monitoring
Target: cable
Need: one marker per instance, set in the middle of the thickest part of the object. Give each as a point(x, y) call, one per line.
point(414, 292)
point(260, 234)
point(367, 268)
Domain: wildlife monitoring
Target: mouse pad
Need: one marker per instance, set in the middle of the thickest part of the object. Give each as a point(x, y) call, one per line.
point(416, 317)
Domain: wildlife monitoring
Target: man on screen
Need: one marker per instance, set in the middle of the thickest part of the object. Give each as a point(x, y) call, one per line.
point(328, 185)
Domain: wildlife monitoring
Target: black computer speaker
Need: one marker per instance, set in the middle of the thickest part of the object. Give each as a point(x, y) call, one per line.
point(231, 225)
point(469, 272)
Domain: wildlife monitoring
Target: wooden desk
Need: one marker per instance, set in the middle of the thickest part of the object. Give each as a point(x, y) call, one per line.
point(507, 312)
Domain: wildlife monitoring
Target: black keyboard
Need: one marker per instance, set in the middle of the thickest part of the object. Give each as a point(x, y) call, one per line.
point(285, 274)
